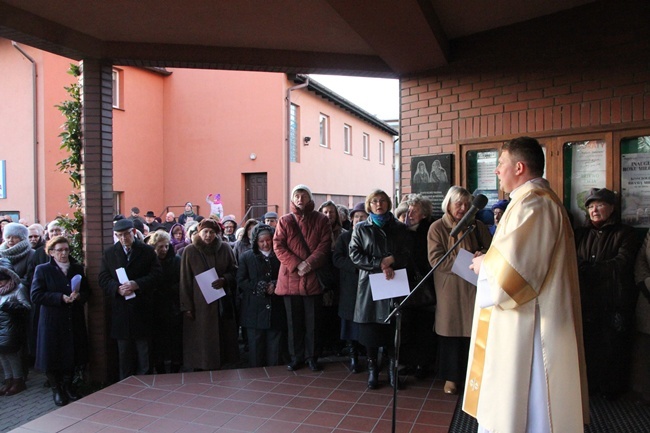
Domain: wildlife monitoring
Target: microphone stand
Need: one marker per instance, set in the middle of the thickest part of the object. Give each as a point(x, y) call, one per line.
point(397, 313)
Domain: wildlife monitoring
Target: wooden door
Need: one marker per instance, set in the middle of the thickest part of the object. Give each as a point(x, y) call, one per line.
point(256, 190)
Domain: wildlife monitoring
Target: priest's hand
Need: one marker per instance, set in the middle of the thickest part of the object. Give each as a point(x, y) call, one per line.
point(476, 263)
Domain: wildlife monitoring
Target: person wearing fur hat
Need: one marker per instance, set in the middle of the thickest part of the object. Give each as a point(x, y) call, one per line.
point(62, 342)
point(302, 242)
point(263, 314)
point(14, 306)
point(16, 247)
point(209, 329)
point(606, 251)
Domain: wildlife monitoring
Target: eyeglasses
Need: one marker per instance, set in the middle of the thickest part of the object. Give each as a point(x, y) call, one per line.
point(62, 250)
point(377, 201)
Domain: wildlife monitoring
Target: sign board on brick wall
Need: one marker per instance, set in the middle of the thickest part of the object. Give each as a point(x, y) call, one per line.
point(431, 176)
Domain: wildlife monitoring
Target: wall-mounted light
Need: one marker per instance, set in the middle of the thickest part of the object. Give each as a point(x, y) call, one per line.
point(307, 140)
point(253, 157)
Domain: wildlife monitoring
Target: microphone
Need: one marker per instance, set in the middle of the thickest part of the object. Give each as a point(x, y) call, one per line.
point(479, 203)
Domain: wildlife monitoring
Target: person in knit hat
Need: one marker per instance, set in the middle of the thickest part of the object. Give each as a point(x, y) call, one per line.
point(16, 247)
point(302, 243)
point(14, 305)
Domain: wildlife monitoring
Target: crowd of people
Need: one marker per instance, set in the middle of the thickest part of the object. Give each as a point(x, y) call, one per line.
point(187, 292)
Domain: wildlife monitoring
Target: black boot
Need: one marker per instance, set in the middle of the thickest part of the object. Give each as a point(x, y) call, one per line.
point(59, 396)
point(373, 374)
point(354, 359)
point(392, 374)
point(69, 390)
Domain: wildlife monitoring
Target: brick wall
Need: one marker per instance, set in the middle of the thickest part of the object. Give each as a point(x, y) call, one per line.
point(583, 80)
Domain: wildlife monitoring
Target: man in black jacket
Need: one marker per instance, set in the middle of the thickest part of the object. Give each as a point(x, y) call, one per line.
point(131, 296)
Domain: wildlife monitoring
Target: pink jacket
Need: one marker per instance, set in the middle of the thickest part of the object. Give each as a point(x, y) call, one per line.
point(291, 250)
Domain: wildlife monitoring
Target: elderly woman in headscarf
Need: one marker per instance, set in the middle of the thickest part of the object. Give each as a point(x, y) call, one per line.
point(209, 329)
point(16, 247)
point(455, 296)
point(61, 289)
point(606, 251)
point(381, 244)
point(262, 311)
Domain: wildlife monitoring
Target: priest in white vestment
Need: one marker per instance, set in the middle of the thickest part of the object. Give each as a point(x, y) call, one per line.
point(526, 370)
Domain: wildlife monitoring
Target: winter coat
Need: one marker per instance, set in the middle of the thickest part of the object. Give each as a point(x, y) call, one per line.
point(642, 275)
point(606, 258)
point(291, 250)
point(14, 306)
point(425, 297)
point(455, 297)
point(348, 276)
point(210, 340)
point(62, 341)
point(19, 255)
point(259, 310)
point(131, 319)
point(368, 246)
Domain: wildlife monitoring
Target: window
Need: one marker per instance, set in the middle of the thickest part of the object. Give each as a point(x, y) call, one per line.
point(347, 145)
point(117, 88)
point(324, 130)
point(366, 151)
point(294, 132)
point(381, 151)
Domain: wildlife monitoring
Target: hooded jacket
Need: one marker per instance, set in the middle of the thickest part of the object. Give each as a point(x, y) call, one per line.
point(14, 304)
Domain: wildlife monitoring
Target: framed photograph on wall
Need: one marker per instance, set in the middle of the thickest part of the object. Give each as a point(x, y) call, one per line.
point(431, 176)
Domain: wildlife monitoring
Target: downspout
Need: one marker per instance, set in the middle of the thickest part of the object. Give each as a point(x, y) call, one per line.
point(34, 127)
point(287, 170)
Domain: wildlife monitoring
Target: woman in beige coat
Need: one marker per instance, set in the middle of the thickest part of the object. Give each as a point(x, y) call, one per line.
point(455, 296)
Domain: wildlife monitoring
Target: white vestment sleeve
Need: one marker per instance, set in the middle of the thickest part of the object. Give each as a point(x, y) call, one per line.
point(483, 295)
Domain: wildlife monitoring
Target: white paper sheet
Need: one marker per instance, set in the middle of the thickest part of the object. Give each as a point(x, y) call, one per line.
point(205, 280)
point(461, 266)
point(383, 289)
point(75, 283)
point(122, 278)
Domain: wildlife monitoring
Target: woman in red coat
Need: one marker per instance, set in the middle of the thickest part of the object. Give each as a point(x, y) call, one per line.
point(302, 243)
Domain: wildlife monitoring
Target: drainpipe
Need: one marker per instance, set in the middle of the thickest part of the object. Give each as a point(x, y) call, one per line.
point(34, 127)
point(287, 170)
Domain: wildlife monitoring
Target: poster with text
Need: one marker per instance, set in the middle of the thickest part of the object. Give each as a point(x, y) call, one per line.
point(589, 170)
point(431, 176)
point(635, 189)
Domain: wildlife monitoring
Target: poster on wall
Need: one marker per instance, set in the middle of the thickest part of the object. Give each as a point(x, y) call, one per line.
point(3, 179)
point(431, 176)
point(589, 170)
point(635, 189)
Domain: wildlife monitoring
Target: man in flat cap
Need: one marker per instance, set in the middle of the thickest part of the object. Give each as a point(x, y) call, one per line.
point(131, 296)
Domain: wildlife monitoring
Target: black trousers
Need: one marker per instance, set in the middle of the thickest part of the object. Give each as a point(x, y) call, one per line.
point(303, 320)
point(133, 357)
point(264, 346)
point(452, 358)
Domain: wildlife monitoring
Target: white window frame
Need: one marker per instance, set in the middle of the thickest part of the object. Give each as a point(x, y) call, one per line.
point(347, 139)
point(381, 151)
point(324, 123)
point(117, 76)
point(366, 146)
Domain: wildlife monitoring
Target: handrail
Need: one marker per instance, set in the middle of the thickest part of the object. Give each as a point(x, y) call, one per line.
point(245, 217)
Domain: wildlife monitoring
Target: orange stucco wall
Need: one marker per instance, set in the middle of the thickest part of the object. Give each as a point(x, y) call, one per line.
point(179, 137)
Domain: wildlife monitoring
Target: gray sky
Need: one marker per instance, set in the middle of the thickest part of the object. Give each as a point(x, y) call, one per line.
point(378, 96)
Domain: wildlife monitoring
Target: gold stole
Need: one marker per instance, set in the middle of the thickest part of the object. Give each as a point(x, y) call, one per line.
point(521, 292)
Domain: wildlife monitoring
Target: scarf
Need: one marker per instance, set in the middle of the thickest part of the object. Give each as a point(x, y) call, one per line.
point(380, 220)
point(63, 266)
point(7, 286)
point(17, 252)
